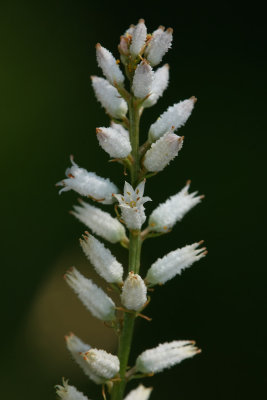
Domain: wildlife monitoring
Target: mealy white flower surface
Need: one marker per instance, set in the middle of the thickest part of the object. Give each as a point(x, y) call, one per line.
point(165, 355)
point(174, 263)
point(138, 33)
point(159, 45)
point(101, 258)
point(134, 291)
point(109, 97)
point(117, 145)
point(109, 66)
point(166, 215)
point(140, 393)
point(68, 392)
point(76, 346)
point(162, 152)
point(143, 80)
point(88, 184)
point(93, 297)
point(175, 117)
point(100, 222)
point(132, 205)
point(159, 85)
point(102, 364)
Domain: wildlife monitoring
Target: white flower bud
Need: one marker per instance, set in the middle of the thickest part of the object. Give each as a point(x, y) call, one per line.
point(93, 297)
point(76, 346)
point(174, 263)
point(68, 392)
point(138, 38)
point(162, 152)
point(131, 204)
point(109, 65)
point(109, 98)
point(101, 258)
point(100, 222)
point(174, 117)
point(134, 291)
point(102, 364)
point(115, 144)
point(159, 84)
point(130, 30)
point(143, 79)
point(159, 45)
point(88, 184)
point(166, 215)
point(140, 393)
point(165, 355)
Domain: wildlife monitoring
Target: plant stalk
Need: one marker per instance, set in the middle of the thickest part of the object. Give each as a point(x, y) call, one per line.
point(125, 340)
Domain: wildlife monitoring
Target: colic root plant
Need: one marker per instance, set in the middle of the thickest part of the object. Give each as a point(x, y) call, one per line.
point(140, 52)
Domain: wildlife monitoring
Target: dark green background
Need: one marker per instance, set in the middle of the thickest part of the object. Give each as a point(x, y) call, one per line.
point(48, 111)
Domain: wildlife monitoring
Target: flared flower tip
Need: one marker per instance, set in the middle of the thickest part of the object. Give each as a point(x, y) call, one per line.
point(140, 393)
point(68, 392)
point(88, 184)
point(132, 205)
point(165, 355)
point(134, 292)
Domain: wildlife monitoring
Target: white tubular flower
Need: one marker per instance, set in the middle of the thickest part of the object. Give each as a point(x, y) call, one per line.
point(134, 291)
point(100, 222)
point(109, 65)
point(68, 392)
point(159, 84)
point(93, 297)
point(140, 393)
point(165, 355)
point(101, 258)
point(174, 263)
point(138, 38)
point(88, 184)
point(102, 364)
point(131, 204)
point(159, 45)
point(174, 117)
point(76, 346)
point(166, 215)
point(114, 143)
point(143, 79)
point(162, 152)
point(109, 98)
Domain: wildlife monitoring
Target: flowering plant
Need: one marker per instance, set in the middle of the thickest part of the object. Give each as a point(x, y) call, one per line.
point(124, 104)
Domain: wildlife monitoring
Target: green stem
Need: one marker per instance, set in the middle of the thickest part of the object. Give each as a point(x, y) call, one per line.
point(134, 118)
point(126, 336)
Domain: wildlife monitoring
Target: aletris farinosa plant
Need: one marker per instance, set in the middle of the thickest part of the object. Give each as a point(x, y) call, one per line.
point(125, 102)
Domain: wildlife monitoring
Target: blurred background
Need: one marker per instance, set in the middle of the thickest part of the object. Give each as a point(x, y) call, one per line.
point(48, 111)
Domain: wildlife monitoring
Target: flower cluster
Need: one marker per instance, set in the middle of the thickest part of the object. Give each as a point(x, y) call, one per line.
point(140, 53)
